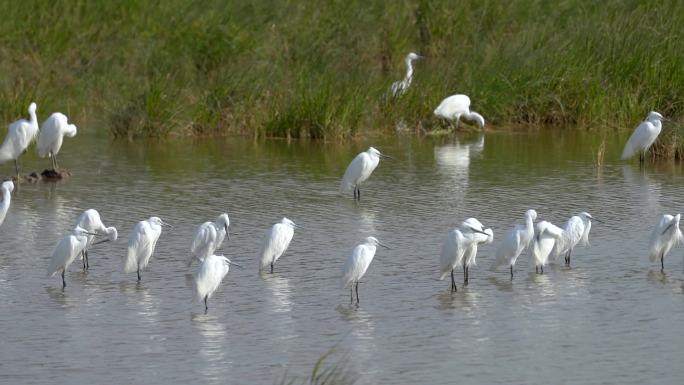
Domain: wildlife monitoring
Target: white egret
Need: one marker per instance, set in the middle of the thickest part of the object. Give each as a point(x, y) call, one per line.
point(208, 276)
point(456, 107)
point(209, 237)
point(453, 251)
point(51, 136)
point(515, 241)
point(576, 232)
point(399, 87)
point(665, 236)
point(20, 134)
point(548, 236)
point(360, 169)
point(6, 189)
point(357, 263)
point(275, 243)
point(480, 235)
point(66, 251)
point(141, 244)
point(643, 136)
point(91, 222)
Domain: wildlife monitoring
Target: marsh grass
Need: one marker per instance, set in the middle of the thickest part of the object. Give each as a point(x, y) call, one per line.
point(314, 70)
point(324, 373)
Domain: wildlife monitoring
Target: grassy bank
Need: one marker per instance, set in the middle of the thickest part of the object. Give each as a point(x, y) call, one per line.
point(304, 69)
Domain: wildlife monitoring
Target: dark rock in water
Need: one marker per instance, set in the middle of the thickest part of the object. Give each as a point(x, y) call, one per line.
point(53, 175)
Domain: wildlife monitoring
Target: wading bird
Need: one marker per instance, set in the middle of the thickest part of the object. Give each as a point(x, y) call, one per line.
point(275, 243)
point(643, 136)
point(399, 87)
point(456, 107)
point(576, 232)
point(51, 136)
point(66, 251)
point(665, 236)
point(480, 235)
point(141, 244)
point(20, 134)
point(459, 245)
point(357, 263)
point(90, 221)
point(209, 237)
point(548, 236)
point(360, 169)
point(208, 277)
point(515, 241)
point(6, 189)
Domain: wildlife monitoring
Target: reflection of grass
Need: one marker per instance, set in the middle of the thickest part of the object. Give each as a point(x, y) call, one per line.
point(325, 374)
point(299, 69)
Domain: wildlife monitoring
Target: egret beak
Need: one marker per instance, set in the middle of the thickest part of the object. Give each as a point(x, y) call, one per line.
point(386, 156)
point(102, 241)
point(166, 225)
point(89, 233)
point(233, 263)
point(667, 228)
point(594, 219)
point(384, 245)
point(300, 227)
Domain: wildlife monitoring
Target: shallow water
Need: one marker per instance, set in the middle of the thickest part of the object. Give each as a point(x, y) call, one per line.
point(611, 318)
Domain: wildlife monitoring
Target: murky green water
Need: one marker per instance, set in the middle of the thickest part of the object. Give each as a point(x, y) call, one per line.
point(612, 318)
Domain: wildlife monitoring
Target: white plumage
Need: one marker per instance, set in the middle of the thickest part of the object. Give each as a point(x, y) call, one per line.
point(548, 236)
point(6, 189)
point(453, 252)
point(20, 134)
point(209, 237)
point(643, 136)
point(399, 87)
point(66, 251)
point(575, 232)
point(275, 243)
point(357, 263)
point(91, 222)
point(665, 236)
point(359, 170)
point(52, 133)
point(208, 276)
point(514, 242)
point(455, 107)
point(141, 244)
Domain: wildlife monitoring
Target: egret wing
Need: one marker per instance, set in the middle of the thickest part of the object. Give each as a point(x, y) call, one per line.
point(642, 138)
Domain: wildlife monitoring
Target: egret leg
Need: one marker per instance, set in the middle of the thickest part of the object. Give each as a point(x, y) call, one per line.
point(16, 168)
point(536, 269)
point(351, 291)
point(542, 269)
point(464, 273)
point(511, 272)
point(271, 267)
point(86, 260)
point(54, 162)
point(453, 282)
point(63, 280)
point(467, 273)
point(357, 292)
point(662, 262)
point(569, 255)
point(641, 158)
point(358, 193)
point(138, 274)
point(206, 306)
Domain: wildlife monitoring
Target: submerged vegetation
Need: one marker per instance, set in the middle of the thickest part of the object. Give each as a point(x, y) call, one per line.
point(308, 69)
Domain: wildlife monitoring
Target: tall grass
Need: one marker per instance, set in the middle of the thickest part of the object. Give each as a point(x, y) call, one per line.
point(321, 70)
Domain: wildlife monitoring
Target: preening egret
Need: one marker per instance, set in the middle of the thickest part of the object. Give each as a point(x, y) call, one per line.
point(52, 133)
point(515, 241)
point(357, 263)
point(141, 244)
point(20, 134)
point(643, 136)
point(275, 243)
point(479, 235)
point(90, 221)
point(548, 235)
point(208, 277)
point(456, 107)
point(360, 169)
point(6, 189)
point(399, 87)
point(209, 237)
point(66, 251)
point(576, 232)
point(665, 236)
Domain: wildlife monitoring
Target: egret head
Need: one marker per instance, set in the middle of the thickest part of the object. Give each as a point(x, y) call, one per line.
point(585, 215)
point(80, 231)
point(112, 234)
point(157, 221)
point(654, 116)
point(32, 108)
point(372, 151)
point(288, 222)
point(490, 235)
point(413, 56)
point(223, 221)
point(7, 186)
point(531, 214)
point(478, 119)
point(375, 242)
point(71, 131)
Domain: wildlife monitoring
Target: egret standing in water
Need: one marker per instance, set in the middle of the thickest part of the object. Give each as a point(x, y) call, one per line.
point(479, 235)
point(275, 243)
point(399, 87)
point(360, 169)
point(209, 237)
point(141, 244)
point(456, 107)
point(665, 236)
point(66, 251)
point(357, 263)
point(548, 236)
point(515, 241)
point(20, 134)
point(52, 134)
point(643, 136)
point(6, 189)
point(208, 277)
point(576, 232)
point(91, 222)
point(459, 245)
